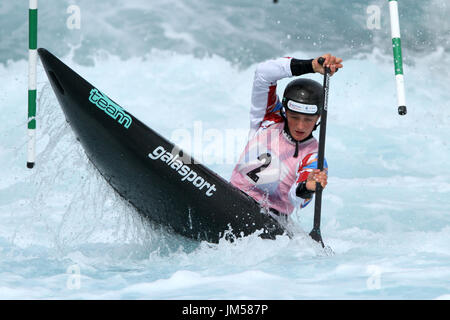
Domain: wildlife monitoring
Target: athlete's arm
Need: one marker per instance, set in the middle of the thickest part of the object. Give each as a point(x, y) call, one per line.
point(303, 189)
point(264, 97)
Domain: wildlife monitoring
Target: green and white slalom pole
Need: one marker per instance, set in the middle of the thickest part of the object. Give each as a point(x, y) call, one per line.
point(398, 63)
point(32, 61)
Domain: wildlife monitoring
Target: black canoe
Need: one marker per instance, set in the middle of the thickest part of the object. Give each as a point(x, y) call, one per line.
point(161, 182)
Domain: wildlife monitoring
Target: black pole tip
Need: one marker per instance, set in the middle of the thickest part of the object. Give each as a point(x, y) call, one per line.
point(402, 110)
point(30, 165)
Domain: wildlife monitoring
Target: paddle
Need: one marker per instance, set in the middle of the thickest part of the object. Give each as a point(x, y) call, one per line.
point(315, 232)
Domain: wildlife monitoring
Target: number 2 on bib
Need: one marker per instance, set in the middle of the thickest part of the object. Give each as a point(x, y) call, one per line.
point(253, 174)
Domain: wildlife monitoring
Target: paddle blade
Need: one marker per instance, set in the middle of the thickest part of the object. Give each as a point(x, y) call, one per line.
point(315, 235)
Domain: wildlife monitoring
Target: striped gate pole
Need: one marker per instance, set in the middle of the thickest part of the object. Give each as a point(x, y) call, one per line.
point(398, 63)
point(32, 61)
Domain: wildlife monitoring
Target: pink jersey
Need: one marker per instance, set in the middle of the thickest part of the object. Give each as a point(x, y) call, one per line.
point(267, 169)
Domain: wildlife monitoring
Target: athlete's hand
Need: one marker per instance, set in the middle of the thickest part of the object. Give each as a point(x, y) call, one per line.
point(316, 176)
point(332, 62)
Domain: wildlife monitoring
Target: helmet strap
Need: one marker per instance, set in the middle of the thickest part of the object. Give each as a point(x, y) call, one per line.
point(316, 125)
point(283, 113)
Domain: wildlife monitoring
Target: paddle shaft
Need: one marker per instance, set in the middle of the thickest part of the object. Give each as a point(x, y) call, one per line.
point(315, 233)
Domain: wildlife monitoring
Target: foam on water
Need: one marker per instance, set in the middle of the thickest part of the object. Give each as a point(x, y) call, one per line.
point(242, 31)
point(386, 206)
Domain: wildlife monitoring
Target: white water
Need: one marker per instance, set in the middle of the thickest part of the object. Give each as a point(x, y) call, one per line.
point(385, 210)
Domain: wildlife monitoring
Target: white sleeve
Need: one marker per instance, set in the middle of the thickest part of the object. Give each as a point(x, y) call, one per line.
point(264, 96)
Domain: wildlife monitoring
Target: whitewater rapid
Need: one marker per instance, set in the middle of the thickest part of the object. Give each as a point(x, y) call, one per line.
point(64, 234)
